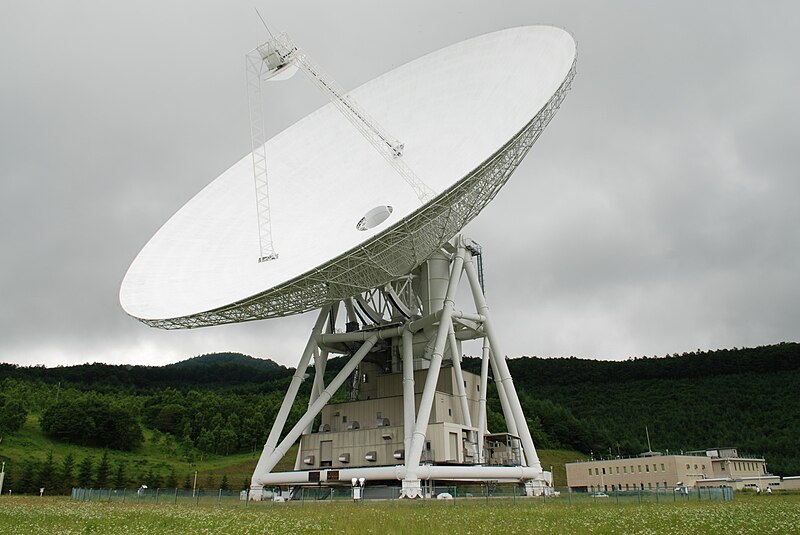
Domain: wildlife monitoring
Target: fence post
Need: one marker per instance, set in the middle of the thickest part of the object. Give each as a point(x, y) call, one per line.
point(124, 492)
point(219, 497)
point(176, 497)
point(158, 489)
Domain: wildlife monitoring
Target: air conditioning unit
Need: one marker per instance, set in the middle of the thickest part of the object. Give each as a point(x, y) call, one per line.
point(308, 459)
point(344, 458)
point(324, 428)
point(387, 435)
point(371, 456)
point(399, 454)
point(352, 426)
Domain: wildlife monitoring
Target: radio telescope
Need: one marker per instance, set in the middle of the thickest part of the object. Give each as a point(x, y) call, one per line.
point(356, 212)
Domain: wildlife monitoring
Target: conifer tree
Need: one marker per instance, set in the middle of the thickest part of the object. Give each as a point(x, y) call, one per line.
point(26, 483)
point(85, 472)
point(172, 479)
point(120, 478)
point(46, 479)
point(103, 471)
point(67, 475)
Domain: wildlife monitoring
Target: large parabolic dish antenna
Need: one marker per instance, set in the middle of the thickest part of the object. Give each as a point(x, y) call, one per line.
point(343, 221)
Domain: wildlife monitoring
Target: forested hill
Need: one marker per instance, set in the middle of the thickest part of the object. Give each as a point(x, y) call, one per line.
point(568, 371)
point(745, 398)
point(216, 369)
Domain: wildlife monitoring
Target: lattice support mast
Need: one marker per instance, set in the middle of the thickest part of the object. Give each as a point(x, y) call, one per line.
point(386, 145)
point(254, 68)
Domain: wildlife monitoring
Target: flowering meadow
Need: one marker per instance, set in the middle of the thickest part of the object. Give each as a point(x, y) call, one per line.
point(746, 514)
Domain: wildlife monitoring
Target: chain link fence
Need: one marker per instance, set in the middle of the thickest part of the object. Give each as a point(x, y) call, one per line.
point(467, 491)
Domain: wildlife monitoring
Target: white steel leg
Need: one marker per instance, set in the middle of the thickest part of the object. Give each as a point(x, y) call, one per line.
point(502, 367)
point(291, 393)
point(311, 413)
point(460, 389)
point(408, 389)
point(482, 400)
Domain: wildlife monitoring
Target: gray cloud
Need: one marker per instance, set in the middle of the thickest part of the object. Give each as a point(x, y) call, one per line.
point(656, 214)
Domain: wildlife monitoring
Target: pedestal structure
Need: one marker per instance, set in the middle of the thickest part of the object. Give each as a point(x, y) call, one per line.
point(414, 414)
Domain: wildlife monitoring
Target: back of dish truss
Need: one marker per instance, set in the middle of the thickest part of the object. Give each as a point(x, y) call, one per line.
point(392, 253)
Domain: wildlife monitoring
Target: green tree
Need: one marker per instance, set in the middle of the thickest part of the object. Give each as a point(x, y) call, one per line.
point(172, 479)
point(26, 482)
point(205, 442)
point(227, 440)
point(91, 420)
point(85, 470)
point(224, 484)
point(103, 471)
point(67, 475)
point(47, 476)
point(187, 482)
point(12, 415)
point(120, 478)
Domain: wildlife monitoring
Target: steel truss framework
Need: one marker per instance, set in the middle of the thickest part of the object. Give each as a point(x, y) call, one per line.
point(440, 341)
point(393, 253)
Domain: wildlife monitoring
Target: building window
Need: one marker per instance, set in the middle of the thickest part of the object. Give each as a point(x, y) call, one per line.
point(695, 467)
point(618, 469)
point(662, 467)
point(703, 466)
point(649, 485)
point(687, 466)
point(596, 472)
point(640, 468)
point(449, 412)
point(604, 471)
point(344, 419)
point(590, 471)
point(625, 470)
point(647, 468)
point(657, 485)
point(626, 486)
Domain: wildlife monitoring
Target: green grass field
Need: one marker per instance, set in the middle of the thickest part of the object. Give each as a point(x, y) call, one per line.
point(746, 514)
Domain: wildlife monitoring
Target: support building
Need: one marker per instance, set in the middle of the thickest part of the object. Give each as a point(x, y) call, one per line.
point(654, 471)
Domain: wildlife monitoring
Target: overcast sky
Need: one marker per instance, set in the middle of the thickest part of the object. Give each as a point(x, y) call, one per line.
point(658, 213)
